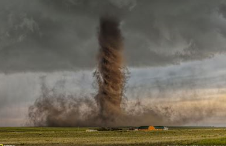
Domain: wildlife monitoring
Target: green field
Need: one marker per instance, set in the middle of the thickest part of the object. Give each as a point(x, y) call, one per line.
point(79, 136)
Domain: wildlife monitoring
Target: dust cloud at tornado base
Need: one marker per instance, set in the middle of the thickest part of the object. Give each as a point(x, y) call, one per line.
point(55, 109)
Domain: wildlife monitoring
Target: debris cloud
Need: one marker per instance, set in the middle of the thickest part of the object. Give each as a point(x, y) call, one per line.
point(55, 109)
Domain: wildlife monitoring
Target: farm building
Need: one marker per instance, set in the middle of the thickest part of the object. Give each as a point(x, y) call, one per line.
point(148, 128)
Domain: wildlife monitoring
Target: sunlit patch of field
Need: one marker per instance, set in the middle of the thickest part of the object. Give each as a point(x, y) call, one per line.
point(46, 136)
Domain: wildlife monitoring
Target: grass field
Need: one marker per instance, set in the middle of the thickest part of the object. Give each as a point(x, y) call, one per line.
point(79, 136)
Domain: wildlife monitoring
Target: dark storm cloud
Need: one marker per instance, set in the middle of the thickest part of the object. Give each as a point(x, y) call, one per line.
point(51, 35)
point(174, 31)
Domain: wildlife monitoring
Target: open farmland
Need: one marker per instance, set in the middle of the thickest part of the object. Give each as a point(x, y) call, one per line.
point(79, 136)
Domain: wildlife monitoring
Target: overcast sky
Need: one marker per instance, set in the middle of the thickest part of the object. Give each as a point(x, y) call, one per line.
point(174, 49)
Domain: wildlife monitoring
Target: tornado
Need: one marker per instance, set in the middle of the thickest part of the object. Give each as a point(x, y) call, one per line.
point(110, 71)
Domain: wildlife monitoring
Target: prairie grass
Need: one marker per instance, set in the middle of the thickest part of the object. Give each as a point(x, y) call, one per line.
point(63, 136)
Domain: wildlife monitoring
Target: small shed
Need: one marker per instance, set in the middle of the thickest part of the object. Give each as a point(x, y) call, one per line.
point(149, 128)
